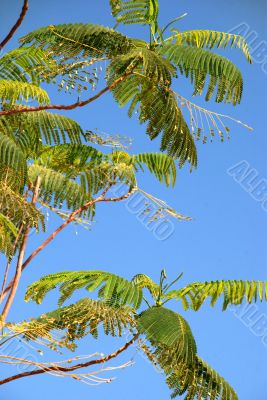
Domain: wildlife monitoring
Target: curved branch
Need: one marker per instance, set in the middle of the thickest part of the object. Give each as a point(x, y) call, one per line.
point(70, 106)
point(73, 367)
point(17, 24)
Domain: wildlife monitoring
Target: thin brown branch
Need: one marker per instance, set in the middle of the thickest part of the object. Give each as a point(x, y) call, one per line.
point(72, 216)
point(73, 367)
point(17, 24)
point(17, 276)
point(70, 106)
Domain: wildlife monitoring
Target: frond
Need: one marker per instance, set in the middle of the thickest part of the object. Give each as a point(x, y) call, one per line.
point(232, 292)
point(146, 62)
point(13, 167)
point(13, 91)
point(112, 288)
point(85, 40)
point(56, 188)
point(158, 107)
point(75, 322)
point(161, 165)
point(170, 335)
point(16, 208)
point(199, 65)
point(210, 39)
point(144, 282)
point(68, 157)
point(8, 231)
point(30, 130)
point(200, 382)
point(25, 64)
point(135, 12)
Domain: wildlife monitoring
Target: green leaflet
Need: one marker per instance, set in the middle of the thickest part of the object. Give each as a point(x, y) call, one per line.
point(111, 287)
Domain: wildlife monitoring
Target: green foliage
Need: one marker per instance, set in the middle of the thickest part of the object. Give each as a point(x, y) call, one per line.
point(198, 64)
point(144, 282)
point(170, 334)
point(134, 12)
point(13, 167)
point(25, 64)
point(85, 40)
point(13, 91)
point(112, 288)
point(171, 345)
point(56, 188)
point(210, 39)
point(77, 321)
point(200, 382)
point(233, 292)
point(8, 231)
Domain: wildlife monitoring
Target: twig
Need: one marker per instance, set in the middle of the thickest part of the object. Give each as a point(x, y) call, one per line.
point(17, 24)
point(72, 368)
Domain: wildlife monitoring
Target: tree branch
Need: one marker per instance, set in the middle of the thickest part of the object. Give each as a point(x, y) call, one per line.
point(72, 216)
point(17, 276)
point(17, 24)
point(70, 106)
point(73, 367)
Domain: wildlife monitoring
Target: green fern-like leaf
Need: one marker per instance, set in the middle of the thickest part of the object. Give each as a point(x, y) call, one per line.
point(56, 188)
point(210, 39)
point(13, 91)
point(86, 40)
point(170, 335)
point(16, 208)
point(13, 167)
point(161, 165)
point(30, 130)
point(112, 288)
point(136, 12)
point(25, 64)
point(144, 282)
point(198, 64)
point(77, 321)
point(232, 292)
point(158, 107)
point(200, 382)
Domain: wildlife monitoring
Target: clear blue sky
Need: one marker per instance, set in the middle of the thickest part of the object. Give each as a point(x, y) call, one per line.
point(225, 240)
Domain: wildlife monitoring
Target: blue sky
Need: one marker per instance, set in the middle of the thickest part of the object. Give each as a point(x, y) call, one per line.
point(225, 240)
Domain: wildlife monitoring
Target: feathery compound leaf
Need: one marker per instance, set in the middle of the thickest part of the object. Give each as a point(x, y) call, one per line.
point(232, 292)
point(85, 40)
point(25, 64)
point(17, 209)
point(77, 321)
point(56, 188)
point(210, 39)
point(69, 157)
point(157, 105)
point(169, 334)
point(198, 64)
point(30, 130)
point(161, 165)
point(144, 282)
point(13, 167)
point(112, 288)
point(136, 12)
point(13, 91)
point(199, 382)
point(8, 231)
